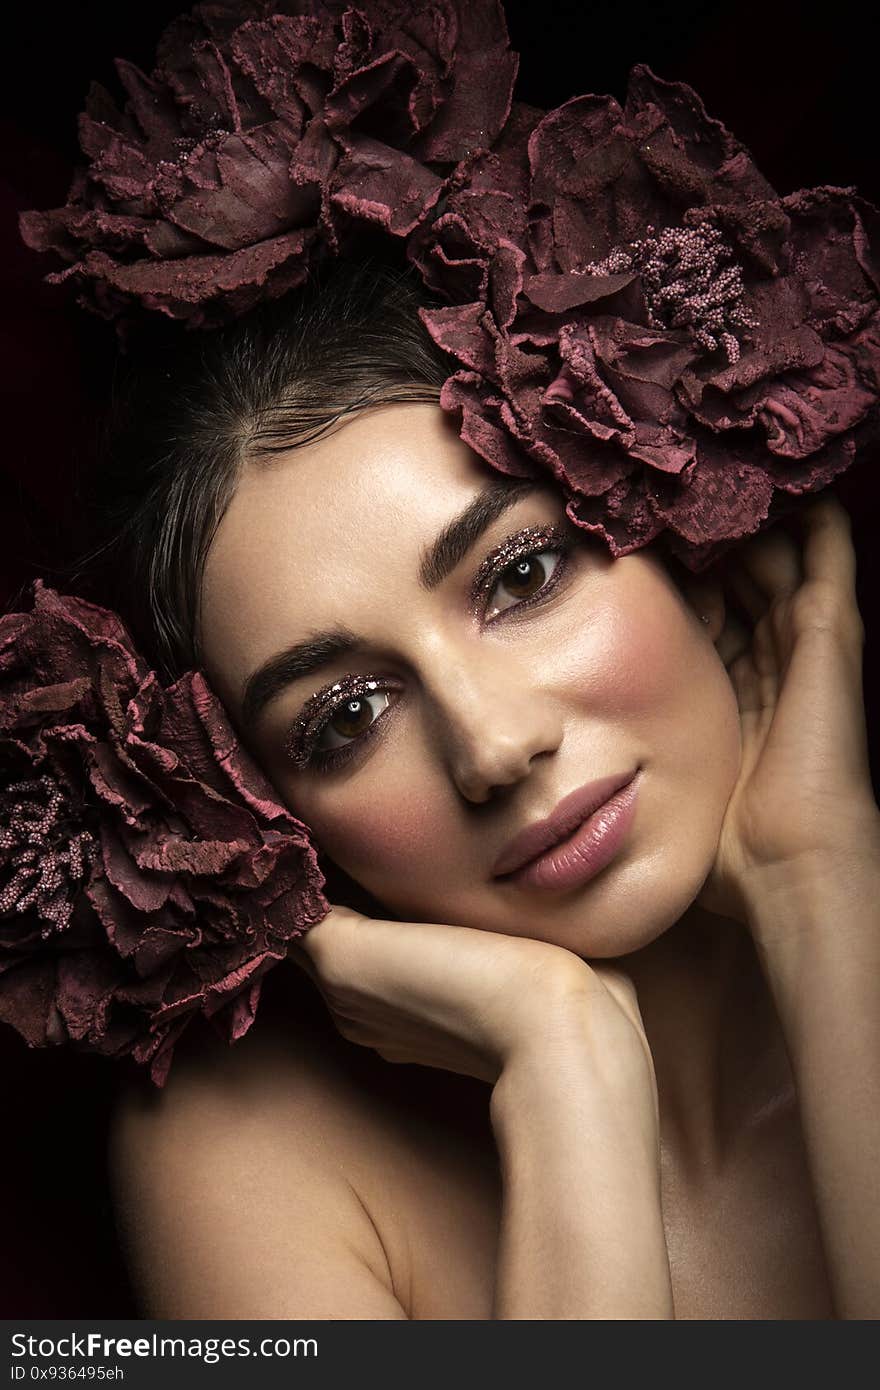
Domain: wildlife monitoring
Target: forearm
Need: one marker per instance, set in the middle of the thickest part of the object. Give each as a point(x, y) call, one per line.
point(581, 1225)
point(819, 942)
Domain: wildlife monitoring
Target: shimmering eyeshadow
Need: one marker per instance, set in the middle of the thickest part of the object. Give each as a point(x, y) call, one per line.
point(299, 745)
point(529, 541)
point(308, 727)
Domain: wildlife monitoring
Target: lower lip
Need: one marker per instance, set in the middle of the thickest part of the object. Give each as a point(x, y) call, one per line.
point(589, 849)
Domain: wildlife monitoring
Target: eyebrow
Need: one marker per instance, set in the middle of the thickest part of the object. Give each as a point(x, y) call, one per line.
point(438, 561)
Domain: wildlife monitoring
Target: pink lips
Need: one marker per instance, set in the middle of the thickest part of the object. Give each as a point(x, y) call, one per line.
point(529, 847)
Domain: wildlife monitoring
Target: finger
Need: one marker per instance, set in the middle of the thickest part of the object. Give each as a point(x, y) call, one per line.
point(759, 639)
point(735, 638)
point(763, 576)
point(755, 711)
point(305, 947)
point(740, 585)
point(764, 568)
point(751, 696)
point(773, 562)
point(828, 551)
point(767, 655)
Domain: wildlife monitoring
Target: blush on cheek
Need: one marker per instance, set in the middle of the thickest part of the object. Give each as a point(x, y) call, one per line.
point(632, 658)
point(380, 838)
point(652, 653)
point(661, 683)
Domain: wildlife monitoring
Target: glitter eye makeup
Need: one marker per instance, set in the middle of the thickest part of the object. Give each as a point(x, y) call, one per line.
point(523, 545)
point(301, 743)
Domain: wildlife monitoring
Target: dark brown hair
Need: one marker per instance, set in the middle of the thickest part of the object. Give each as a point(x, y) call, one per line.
point(191, 410)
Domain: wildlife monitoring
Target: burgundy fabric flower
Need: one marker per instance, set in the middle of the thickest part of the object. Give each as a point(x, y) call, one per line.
point(634, 309)
point(147, 871)
point(266, 136)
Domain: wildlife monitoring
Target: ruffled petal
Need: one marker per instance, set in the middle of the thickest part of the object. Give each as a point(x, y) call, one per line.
point(633, 308)
point(148, 872)
point(262, 140)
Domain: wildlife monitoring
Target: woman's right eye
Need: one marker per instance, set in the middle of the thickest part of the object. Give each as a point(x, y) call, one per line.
point(338, 717)
point(531, 574)
point(350, 720)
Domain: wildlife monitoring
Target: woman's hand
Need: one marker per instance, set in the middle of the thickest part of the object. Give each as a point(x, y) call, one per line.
point(803, 805)
point(467, 1000)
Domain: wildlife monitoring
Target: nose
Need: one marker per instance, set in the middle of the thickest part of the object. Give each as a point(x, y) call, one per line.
point(493, 719)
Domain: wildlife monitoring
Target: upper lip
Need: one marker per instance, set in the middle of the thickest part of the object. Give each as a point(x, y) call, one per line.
point(571, 811)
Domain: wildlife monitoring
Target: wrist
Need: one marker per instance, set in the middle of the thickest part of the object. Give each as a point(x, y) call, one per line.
point(573, 1080)
point(817, 936)
point(789, 903)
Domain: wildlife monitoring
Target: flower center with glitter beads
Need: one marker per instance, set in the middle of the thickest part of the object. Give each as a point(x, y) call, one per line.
point(40, 853)
point(690, 280)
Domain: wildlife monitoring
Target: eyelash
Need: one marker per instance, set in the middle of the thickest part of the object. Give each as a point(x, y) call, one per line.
point(306, 732)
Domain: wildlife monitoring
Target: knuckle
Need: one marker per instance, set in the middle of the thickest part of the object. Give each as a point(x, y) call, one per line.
point(560, 976)
point(820, 605)
point(621, 987)
point(620, 978)
point(329, 947)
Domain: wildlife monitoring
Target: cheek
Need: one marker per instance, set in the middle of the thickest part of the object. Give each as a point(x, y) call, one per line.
point(630, 658)
point(379, 837)
point(656, 683)
point(654, 660)
point(682, 692)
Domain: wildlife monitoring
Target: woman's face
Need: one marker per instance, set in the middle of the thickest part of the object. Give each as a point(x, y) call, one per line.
point(489, 706)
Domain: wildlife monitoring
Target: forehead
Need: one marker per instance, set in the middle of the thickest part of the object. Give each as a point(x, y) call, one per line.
point(330, 528)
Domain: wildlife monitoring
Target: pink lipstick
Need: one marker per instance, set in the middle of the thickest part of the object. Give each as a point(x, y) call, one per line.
point(583, 834)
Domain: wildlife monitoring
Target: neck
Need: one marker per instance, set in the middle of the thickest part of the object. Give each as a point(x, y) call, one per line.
point(719, 1054)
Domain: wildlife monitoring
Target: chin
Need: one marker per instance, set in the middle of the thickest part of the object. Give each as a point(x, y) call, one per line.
point(601, 936)
point(608, 940)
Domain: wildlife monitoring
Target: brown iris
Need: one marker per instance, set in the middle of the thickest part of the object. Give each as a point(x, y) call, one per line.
point(528, 575)
point(352, 718)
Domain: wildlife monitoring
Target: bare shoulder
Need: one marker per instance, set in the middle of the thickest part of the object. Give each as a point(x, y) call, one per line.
point(231, 1183)
point(295, 1174)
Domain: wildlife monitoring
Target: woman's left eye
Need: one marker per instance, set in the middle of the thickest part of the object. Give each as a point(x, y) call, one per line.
point(524, 579)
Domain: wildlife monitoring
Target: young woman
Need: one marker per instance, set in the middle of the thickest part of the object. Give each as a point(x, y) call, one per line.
point(603, 842)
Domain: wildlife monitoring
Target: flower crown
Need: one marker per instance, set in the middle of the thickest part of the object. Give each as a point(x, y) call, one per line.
point(629, 307)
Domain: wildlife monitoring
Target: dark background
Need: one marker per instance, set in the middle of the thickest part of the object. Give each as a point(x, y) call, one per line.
point(795, 85)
